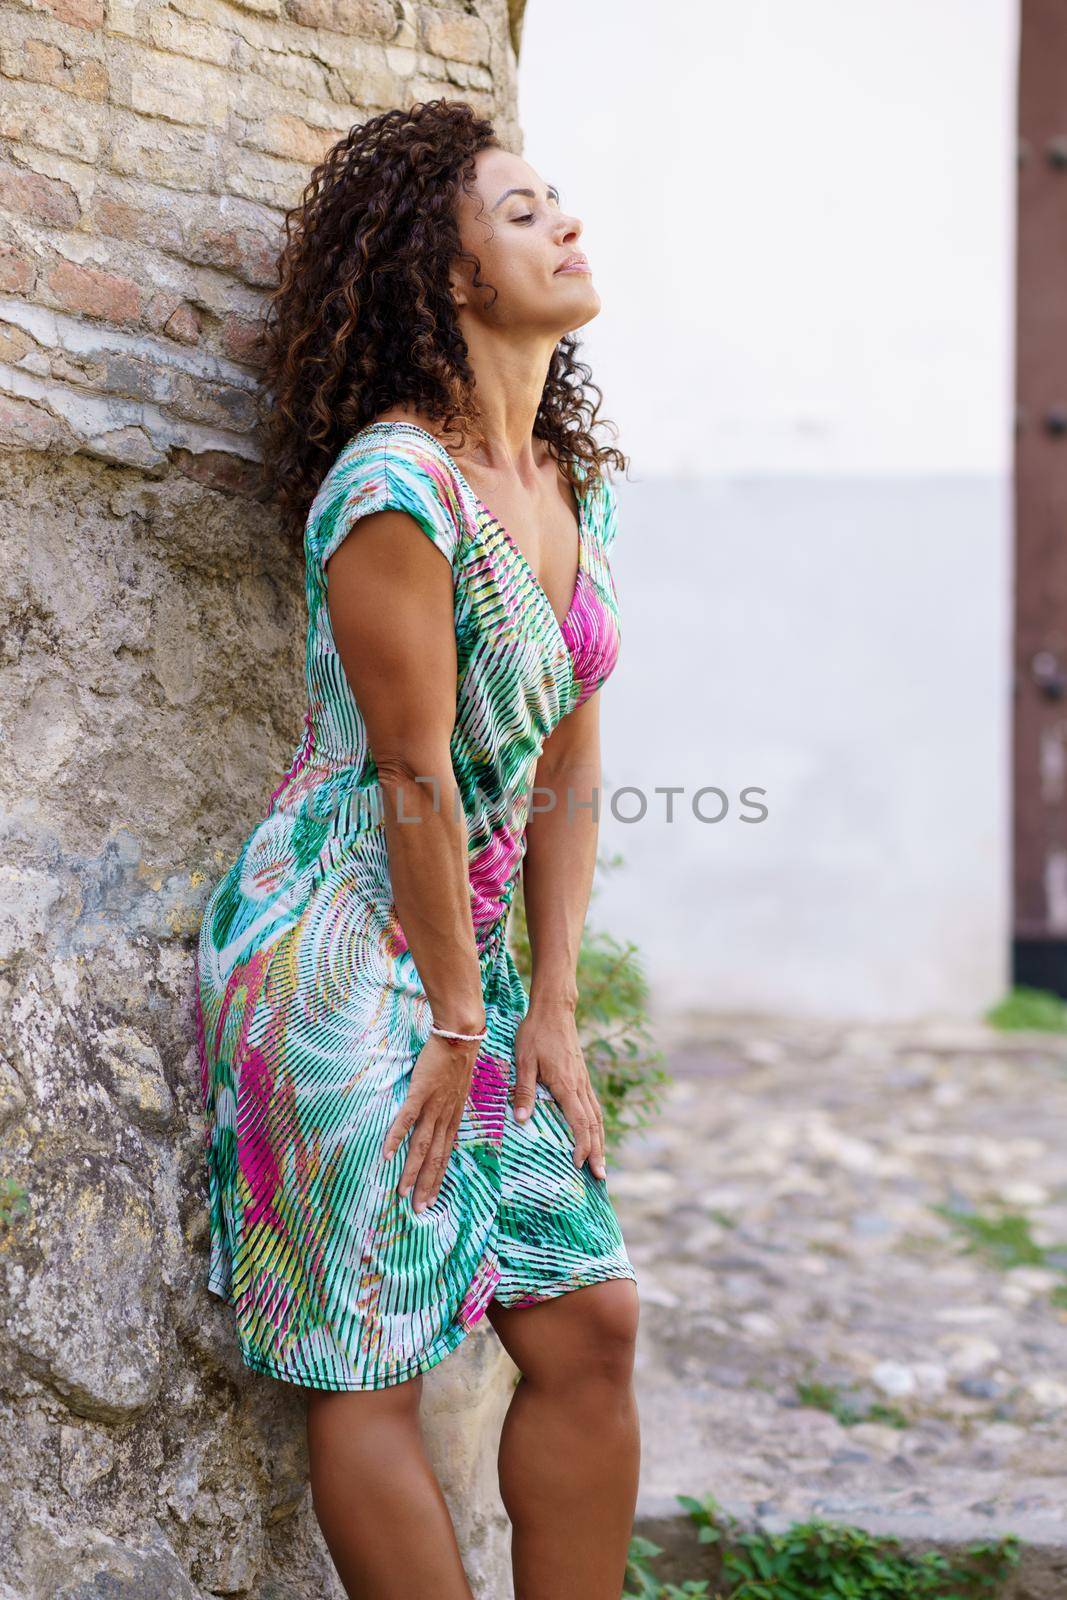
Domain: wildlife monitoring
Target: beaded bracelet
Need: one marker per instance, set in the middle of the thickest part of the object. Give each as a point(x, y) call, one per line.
point(446, 1033)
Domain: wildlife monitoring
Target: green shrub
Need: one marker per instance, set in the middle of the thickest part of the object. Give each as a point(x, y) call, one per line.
point(1029, 1008)
point(820, 1560)
point(613, 1025)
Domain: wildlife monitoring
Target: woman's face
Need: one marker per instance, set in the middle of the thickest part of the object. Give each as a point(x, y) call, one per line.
point(512, 220)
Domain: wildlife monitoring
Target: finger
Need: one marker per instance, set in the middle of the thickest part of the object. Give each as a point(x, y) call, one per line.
point(405, 1118)
point(429, 1180)
point(525, 1091)
point(421, 1140)
point(573, 1108)
point(597, 1155)
point(593, 1121)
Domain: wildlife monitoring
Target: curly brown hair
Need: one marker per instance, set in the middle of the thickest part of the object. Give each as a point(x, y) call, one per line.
point(363, 318)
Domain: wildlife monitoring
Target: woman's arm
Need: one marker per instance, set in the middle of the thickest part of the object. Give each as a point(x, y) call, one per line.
point(558, 867)
point(391, 610)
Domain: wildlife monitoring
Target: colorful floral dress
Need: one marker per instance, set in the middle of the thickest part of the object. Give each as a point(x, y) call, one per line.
point(310, 1010)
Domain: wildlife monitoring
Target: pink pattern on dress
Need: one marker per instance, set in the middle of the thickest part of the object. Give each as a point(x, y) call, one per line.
point(592, 637)
point(258, 1165)
point(491, 872)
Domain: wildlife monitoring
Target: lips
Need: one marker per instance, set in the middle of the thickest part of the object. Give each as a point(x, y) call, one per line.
point(573, 261)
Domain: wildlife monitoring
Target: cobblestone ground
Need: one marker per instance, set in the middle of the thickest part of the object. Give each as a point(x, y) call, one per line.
point(781, 1217)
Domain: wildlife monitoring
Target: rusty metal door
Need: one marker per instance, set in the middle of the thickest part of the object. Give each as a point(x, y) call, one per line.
point(1040, 722)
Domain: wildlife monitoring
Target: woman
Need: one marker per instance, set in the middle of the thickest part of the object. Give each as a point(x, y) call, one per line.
point(400, 1139)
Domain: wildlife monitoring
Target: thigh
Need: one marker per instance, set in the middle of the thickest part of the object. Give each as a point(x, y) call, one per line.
point(345, 1409)
point(556, 1228)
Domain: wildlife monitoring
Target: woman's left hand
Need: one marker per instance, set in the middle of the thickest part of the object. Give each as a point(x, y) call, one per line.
point(547, 1048)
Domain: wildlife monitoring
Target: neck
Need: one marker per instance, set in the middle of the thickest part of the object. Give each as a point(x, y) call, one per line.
point(509, 382)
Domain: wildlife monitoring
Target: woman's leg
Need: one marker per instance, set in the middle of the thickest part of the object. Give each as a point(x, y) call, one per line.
point(570, 1446)
point(377, 1498)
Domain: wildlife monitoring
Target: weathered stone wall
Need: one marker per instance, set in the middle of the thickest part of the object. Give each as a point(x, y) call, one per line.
point(151, 692)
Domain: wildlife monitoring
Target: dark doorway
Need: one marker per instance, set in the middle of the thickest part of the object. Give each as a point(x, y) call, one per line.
point(1040, 688)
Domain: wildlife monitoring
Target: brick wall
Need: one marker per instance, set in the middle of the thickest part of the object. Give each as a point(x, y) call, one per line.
point(151, 693)
point(148, 154)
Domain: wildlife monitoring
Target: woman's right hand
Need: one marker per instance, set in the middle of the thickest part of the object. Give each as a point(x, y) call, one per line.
point(437, 1093)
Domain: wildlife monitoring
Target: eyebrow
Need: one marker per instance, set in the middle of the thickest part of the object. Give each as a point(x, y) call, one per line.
point(551, 191)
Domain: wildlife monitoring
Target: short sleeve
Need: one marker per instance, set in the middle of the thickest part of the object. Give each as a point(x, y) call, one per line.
point(381, 475)
point(609, 513)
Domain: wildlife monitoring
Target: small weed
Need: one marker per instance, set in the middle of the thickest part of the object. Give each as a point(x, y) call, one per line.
point(892, 1416)
point(820, 1560)
point(14, 1202)
point(831, 1398)
point(723, 1218)
point(1025, 1008)
point(647, 1586)
point(1004, 1241)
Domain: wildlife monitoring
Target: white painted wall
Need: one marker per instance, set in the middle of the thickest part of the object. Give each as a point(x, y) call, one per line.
point(801, 222)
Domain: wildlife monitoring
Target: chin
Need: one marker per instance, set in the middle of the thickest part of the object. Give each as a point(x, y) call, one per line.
point(585, 302)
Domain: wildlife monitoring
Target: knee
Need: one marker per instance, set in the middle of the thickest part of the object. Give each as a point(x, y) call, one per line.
point(601, 1343)
point(613, 1329)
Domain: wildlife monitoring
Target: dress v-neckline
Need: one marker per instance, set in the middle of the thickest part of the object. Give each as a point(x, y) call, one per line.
point(582, 498)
